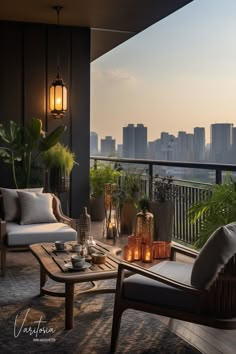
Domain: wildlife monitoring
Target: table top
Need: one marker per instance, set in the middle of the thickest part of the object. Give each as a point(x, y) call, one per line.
point(54, 262)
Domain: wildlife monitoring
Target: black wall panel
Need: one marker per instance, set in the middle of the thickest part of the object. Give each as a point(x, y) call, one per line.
point(28, 65)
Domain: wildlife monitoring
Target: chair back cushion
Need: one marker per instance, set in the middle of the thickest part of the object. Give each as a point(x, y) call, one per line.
point(220, 247)
point(11, 202)
point(36, 208)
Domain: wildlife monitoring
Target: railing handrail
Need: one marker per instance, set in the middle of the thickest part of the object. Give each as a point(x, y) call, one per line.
point(197, 165)
point(218, 168)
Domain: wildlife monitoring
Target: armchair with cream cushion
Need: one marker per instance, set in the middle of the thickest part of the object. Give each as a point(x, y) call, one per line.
point(30, 216)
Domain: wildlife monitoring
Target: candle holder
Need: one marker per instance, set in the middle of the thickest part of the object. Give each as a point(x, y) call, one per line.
point(145, 226)
point(161, 249)
point(147, 253)
point(112, 223)
point(128, 253)
point(137, 248)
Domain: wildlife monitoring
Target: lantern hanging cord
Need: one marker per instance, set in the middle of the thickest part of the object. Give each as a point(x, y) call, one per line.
point(58, 10)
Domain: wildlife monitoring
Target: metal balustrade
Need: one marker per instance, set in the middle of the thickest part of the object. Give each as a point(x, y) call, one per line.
point(188, 192)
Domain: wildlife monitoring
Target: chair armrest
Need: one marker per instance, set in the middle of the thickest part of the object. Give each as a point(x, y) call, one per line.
point(154, 276)
point(186, 251)
point(3, 233)
point(59, 213)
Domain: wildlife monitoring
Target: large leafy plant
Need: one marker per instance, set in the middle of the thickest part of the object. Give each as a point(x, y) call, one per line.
point(218, 209)
point(59, 156)
point(23, 145)
point(99, 176)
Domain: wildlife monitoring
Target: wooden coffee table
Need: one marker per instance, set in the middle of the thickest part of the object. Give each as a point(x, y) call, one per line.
point(52, 264)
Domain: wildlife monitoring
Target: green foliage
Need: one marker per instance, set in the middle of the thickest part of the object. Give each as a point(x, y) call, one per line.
point(59, 156)
point(22, 145)
point(144, 203)
point(99, 176)
point(216, 210)
point(164, 189)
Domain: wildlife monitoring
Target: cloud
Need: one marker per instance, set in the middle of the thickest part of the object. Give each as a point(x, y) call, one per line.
point(118, 75)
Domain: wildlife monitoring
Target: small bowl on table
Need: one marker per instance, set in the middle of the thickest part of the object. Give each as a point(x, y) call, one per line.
point(99, 258)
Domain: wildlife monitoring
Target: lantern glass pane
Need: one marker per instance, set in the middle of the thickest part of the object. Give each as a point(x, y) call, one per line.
point(58, 98)
point(64, 98)
point(51, 98)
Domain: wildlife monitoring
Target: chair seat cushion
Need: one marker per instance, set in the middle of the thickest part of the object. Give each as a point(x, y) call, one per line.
point(141, 288)
point(21, 235)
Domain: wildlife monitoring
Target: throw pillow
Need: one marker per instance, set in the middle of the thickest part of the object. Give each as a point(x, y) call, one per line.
point(36, 208)
point(11, 203)
point(217, 251)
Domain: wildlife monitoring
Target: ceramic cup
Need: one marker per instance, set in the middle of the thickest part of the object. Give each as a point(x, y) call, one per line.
point(77, 261)
point(60, 245)
point(77, 248)
point(99, 258)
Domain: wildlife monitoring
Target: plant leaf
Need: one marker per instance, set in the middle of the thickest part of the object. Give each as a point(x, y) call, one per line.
point(51, 139)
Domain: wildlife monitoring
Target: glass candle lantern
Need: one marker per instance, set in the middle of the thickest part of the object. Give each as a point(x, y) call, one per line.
point(161, 249)
point(128, 253)
point(111, 211)
point(147, 253)
point(145, 226)
point(137, 248)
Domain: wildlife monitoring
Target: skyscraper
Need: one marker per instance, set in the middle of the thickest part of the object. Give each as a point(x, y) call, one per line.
point(108, 146)
point(135, 141)
point(93, 143)
point(140, 142)
point(128, 141)
point(199, 144)
point(221, 138)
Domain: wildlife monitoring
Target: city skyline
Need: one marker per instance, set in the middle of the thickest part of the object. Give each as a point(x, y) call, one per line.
point(176, 75)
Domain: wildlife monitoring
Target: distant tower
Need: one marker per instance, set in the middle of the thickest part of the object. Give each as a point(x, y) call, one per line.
point(221, 138)
point(140, 142)
point(135, 141)
point(93, 143)
point(108, 146)
point(199, 144)
point(182, 144)
point(128, 141)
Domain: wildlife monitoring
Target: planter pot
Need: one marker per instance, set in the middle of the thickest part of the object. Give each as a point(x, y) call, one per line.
point(59, 180)
point(128, 218)
point(163, 220)
point(97, 208)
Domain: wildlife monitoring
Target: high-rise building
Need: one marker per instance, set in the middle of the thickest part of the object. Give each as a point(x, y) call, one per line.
point(181, 146)
point(199, 144)
point(93, 143)
point(233, 147)
point(135, 141)
point(108, 146)
point(119, 150)
point(140, 142)
point(221, 138)
point(128, 141)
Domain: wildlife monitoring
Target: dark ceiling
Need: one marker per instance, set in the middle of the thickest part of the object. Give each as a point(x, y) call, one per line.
point(111, 21)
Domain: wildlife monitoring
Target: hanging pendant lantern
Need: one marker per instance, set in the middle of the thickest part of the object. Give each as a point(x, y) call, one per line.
point(58, 90)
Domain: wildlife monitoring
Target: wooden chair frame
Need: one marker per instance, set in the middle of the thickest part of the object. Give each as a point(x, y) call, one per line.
point(217, 305)
point(3, 234)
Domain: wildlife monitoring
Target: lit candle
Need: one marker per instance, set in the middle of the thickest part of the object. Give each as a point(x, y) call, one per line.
point(137, 248)
point(147, 253)
point(114, 230)
point(109, 231)
point(128, 253)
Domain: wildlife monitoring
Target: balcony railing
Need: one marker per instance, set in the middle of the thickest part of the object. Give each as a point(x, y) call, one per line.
point(189, 192)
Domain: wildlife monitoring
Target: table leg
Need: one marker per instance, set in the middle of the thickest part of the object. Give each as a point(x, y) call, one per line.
point(43, 279)
point(69, 306)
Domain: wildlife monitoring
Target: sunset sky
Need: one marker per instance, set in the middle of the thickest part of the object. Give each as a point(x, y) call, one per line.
point(178, 74)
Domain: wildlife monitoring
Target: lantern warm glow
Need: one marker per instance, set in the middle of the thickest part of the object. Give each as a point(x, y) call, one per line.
point(128, 253)
point(137, 248)
point(147, 253)
point(58, 97)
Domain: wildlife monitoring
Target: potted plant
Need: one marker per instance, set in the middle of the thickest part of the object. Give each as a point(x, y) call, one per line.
point(59, 161)
point(129, 196)
point(23, 146)
point(162, 207)
point(218, 209)
point(100, 174)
